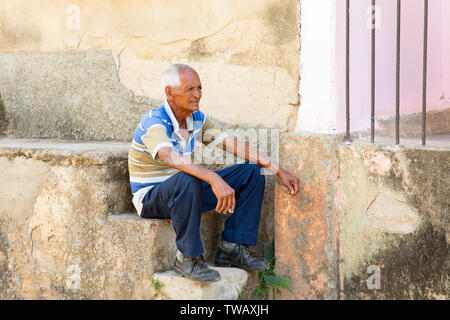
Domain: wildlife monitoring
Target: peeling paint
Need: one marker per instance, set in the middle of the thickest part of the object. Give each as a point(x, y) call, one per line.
point(386, 207)
point(391, 212)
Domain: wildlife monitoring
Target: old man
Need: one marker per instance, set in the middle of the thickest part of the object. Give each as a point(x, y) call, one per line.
point(166, 183)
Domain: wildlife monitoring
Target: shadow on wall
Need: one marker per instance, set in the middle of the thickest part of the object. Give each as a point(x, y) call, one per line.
point(75, 95)
point(414, 266)
point(437, 121)
point(13, 35)
point(3, 120)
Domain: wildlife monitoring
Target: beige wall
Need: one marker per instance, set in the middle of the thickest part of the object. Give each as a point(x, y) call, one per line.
point(245, 51)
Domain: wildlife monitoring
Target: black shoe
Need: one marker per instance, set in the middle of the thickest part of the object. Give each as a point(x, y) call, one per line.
point(195, 268)
point(236, 255)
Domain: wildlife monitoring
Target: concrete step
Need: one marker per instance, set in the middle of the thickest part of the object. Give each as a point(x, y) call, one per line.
point(91, 176)
point(68, 229)
point(59, 235)
point(162, 257)
point(171, 286)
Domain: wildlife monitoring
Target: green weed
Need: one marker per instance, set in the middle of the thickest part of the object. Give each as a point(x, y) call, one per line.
point(268, 279)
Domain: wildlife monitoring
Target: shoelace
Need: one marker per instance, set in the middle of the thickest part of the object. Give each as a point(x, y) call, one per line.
point(200, 262)
point(242, 252)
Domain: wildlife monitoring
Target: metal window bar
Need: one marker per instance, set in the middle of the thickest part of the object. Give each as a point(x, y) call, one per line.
point(397, 76)
point(372, 95)
point(425, 64)
point(347, 71)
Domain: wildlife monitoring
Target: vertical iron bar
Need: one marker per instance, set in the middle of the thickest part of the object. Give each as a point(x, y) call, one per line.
point(397, 87)
point(372, 109)
point(347, 72)
point(425, 62)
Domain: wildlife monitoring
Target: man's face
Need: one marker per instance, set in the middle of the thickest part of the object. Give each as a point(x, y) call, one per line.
point(187, 96)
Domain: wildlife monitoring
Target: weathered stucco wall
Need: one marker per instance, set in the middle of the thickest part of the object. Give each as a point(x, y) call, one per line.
point(246, 53)
point(306, 225)
point(364, 208)
point(75, 95)
point(58, 81)
point(68, 229)
point(393, 207)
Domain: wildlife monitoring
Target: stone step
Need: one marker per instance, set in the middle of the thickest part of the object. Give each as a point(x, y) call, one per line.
point(68, 229)
point(162, 256)
point(59, 235)
point(171, 286)
point(65, 152)
point(88, 176)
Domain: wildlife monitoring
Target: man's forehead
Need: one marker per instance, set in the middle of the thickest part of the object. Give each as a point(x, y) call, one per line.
point(189, 77)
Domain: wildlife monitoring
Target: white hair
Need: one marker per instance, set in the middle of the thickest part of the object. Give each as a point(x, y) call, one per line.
point(171, 76)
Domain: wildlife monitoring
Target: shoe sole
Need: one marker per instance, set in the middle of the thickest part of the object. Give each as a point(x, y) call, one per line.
point(228, 264)
point(184, 275)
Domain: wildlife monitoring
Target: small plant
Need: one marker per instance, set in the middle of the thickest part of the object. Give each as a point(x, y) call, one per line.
point(156, 285)
point(268, 278)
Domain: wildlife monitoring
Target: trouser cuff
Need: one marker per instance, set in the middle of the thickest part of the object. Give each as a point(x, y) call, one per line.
point(247, 238)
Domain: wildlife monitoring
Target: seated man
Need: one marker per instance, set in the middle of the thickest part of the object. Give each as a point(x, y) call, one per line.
point(167, 183)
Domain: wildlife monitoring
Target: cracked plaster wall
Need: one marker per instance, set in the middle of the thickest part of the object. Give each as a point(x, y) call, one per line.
point(61, 224)
point(246, 52)
point(363, 206)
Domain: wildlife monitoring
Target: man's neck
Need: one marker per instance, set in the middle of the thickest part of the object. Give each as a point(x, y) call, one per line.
point(180, 116)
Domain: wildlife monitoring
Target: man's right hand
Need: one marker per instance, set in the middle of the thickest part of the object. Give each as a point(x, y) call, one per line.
point(226, 200)
point(223, 192)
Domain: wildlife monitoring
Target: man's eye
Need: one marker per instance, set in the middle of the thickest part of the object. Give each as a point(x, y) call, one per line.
point(192, 89)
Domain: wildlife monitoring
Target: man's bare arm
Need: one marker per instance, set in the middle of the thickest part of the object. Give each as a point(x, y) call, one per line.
point(225, 194)
point(244, 151)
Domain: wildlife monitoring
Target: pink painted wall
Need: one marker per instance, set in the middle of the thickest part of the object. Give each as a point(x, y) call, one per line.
point(446, 48)
point(411, 58)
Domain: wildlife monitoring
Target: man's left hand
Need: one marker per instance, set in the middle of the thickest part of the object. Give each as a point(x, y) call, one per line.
point(290, 181)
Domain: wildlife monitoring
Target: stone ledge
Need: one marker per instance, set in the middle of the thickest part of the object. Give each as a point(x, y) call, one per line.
point(175, 287)
point(133, 216)
point(65, 152)
point(437, 121)
point(363, 205)
point(75, 221)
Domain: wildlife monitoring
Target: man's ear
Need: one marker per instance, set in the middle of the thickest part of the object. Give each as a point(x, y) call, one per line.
point(169, 92)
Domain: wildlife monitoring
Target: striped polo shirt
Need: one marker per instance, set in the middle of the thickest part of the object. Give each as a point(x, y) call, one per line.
point(159, 128)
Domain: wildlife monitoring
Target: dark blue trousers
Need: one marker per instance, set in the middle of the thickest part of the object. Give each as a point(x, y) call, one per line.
point(183, 198)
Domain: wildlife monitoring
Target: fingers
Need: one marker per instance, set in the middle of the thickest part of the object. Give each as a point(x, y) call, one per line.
point(226, 203)
point(290, 188)
point(293, 186)
point(296, 186)
point(220, 205)
point(233, 204)
point(229, 205)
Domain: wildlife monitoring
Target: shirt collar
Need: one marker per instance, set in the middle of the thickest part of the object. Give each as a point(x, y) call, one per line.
point(176, 127)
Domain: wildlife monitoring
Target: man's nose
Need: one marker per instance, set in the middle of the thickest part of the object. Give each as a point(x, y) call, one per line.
point(197, 93)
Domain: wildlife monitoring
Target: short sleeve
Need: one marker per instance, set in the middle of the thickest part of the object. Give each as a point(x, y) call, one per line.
point(212, 133)
point(156, 138)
